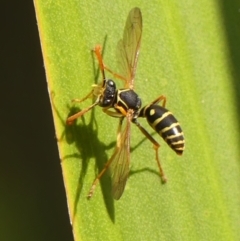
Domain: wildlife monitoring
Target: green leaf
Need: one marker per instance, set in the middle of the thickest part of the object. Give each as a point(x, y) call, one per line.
point(185, 55)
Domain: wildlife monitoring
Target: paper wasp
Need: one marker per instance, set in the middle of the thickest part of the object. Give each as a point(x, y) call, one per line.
point(126, 105)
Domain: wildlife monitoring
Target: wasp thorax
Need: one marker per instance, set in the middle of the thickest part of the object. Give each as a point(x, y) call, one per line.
point(128, 99)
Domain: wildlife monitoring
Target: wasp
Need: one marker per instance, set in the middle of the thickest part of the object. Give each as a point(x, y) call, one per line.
point(125, 104)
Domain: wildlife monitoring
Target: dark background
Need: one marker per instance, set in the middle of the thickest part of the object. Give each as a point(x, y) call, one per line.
point(32, 196)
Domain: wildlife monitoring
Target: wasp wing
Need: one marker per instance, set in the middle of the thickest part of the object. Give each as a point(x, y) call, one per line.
point(121, 159)
point(128, 47)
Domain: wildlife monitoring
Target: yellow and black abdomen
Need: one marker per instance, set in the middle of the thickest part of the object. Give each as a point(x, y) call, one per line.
point(166, 125)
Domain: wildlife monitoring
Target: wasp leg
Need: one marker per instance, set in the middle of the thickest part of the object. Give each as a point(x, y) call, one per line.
point(83, 99)
point(97, 51)
point(156, 146)
point(106, 166)
point(113, 113)
point(96, 91)
point(96, 181)
point(80, 113)
point(119, 114)
point(160, 98)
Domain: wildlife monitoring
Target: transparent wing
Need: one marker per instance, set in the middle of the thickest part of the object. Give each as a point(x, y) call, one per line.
point(121, 159)
point(128, 47)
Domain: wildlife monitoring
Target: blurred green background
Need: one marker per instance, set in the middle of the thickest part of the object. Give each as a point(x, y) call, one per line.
point(32, 197)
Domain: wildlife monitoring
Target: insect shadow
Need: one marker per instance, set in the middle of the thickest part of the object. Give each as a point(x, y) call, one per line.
point(145, 169)
point(85, 138)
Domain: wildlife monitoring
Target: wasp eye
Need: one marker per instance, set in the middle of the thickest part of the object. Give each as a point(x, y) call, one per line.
point(111, 83)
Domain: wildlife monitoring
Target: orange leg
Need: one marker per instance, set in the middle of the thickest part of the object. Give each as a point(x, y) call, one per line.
point(79, 114)
point(160, 98)
point(97, 179)
point(106, 166)
point(156, 146)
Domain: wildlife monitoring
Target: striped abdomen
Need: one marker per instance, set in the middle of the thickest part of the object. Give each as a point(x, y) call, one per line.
point(166, 125)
